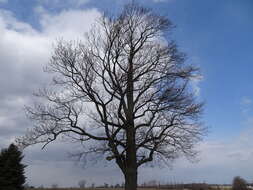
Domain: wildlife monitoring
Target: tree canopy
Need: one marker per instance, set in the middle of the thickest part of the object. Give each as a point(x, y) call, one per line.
point(124, 92)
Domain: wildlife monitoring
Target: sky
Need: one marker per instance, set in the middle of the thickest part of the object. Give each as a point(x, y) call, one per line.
point(216, 35)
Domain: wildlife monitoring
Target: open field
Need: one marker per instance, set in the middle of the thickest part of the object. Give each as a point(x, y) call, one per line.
point(213, 188)
point(92, 189)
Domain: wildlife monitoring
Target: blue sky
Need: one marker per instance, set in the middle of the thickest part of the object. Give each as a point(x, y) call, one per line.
point(216, 35)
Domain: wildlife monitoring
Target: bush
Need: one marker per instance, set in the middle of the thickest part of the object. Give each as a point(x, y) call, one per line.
point(239, 183)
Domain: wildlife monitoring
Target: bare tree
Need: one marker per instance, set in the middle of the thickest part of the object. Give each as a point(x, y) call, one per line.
point(124, 92)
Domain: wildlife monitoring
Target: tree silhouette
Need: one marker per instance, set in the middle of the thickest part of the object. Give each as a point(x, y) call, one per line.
point(125, 90)
point(11, 169)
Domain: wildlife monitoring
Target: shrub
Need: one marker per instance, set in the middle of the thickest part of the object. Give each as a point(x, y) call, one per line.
point(239, 183)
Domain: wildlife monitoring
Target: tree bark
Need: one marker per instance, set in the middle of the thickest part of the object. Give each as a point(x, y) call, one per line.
point(131, 162)
point(131, 159)
point(131, 178)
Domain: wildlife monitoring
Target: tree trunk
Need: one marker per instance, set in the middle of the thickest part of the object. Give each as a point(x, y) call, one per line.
point(131, 161)
point(131, 179)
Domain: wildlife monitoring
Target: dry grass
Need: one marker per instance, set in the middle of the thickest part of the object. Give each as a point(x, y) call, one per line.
point(92, 189)
point(214, 188)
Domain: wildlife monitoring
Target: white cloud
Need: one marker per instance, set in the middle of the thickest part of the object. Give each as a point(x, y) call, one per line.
point(195, 84)
point(198, 78)
point(246, 106)
point(3, 1)
point(219, 162)
point(68, 24)
point(24, 51)
point(246, 101)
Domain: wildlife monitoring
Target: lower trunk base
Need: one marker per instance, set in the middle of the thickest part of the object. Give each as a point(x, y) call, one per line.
point(131, 180)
